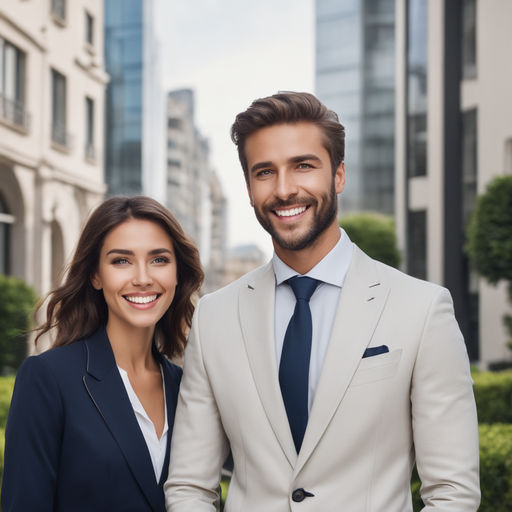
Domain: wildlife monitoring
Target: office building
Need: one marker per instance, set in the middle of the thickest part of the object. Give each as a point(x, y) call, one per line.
point(355, 52)
point(135, 102)
point(52, 84)
point(453, 135)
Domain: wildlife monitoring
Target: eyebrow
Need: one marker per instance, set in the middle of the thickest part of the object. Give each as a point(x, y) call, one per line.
point(127, 252)
point(293, 160)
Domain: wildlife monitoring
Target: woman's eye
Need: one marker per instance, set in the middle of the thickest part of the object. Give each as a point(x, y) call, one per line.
point(161, 259)
point(120, 261)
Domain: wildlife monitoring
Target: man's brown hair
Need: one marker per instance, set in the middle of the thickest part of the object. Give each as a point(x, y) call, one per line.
point(289, 107)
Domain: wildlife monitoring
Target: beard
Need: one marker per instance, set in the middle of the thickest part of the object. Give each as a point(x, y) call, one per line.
point(325, 214)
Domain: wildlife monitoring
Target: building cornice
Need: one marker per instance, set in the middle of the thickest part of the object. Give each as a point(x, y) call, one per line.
point(39, 44)
point(95, 72)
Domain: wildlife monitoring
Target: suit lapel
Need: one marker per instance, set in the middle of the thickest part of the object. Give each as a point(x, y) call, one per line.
point(106, 389)
point(256, 303)
point(361, 303)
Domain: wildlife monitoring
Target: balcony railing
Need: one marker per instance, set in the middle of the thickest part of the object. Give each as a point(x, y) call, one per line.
point(60, 136)
point(90, 152)
point(14, 112)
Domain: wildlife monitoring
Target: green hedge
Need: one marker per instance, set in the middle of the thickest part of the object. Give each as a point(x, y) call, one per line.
point(496, 467)
point(493, 394)
point(6, 387)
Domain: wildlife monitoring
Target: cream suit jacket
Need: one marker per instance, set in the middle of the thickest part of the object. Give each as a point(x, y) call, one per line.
point(371, 417)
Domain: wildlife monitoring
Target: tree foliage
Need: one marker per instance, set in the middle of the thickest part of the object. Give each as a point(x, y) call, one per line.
point(374, 234)
point(489, 233)
point(489, 236)
point(16, 306)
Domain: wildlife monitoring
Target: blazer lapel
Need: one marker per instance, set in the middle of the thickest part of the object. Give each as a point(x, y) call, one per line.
point(106, 389)
point(256, 303)
point(171, 383)
point(361, 303)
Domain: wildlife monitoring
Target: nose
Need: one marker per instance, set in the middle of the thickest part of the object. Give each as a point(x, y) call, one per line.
point(286, 185)
point(142, 275)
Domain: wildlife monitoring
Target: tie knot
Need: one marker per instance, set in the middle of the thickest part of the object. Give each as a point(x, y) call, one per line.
point(303, 287)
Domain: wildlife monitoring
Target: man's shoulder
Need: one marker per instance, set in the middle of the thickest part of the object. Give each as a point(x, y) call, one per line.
point(231, 290)
point(397, 278)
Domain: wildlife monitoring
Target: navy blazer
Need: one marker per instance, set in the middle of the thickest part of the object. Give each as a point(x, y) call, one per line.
point(72, 441)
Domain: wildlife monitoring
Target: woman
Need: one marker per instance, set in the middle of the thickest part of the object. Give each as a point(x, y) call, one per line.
point(90, 421)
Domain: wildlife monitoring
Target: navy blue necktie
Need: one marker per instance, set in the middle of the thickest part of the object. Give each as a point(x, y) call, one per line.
point(294, 366)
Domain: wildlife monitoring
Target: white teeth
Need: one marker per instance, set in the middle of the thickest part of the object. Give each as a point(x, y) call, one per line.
point(291, 212)
point(140, 300)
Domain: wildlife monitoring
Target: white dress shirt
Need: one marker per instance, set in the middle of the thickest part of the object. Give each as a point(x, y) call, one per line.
point(331, 270)
point(156, 447)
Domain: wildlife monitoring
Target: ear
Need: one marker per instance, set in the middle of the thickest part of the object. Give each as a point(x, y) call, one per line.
point(96, 281)
point(339, 178)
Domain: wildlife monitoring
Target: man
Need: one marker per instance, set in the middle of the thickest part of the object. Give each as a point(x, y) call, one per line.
point(326, 391)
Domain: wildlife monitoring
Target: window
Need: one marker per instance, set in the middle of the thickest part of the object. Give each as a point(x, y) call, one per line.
point(58, 9)
point(6, 219)
point(469, 39)
point(417, 88)
point(89, 28)
point(508, 156)
point(59, 134)
point(90, 152)
point(12, 84)
point(417, 244)
point(469, 164)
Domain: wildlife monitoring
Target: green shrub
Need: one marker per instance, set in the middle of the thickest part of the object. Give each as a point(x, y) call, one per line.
point(493, 395)
point(16, 307)
point(496, 467)
point(6, 387)
point(374, 234)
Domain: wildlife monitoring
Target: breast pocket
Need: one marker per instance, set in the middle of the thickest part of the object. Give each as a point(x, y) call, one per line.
point(376, 368)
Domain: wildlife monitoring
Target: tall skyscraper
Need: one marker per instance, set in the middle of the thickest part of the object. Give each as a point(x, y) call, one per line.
point(135, 119)
point(355, 66)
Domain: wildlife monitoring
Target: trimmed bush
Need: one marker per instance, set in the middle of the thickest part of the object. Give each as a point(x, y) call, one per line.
point(493, 394)
point(16, 306)
point(6, 387)
point(496, 467)
point(374, 234)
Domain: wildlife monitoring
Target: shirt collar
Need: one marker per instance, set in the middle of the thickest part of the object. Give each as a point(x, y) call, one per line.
point(331, 269)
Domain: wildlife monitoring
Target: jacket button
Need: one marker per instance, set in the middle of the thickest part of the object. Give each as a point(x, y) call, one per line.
point(298, 495)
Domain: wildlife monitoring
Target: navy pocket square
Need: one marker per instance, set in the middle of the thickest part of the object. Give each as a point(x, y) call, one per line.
point(375, 351)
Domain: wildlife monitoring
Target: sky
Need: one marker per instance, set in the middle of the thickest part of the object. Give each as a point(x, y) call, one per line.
point(232, 52)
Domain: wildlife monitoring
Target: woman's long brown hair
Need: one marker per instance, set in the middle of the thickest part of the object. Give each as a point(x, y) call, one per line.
point(76, 310)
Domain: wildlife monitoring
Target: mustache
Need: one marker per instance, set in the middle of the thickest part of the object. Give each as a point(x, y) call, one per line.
point(280, 203)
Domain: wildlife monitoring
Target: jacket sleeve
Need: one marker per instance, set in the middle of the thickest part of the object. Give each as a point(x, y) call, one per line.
point(199, 445)
point(445, 425)
point(32, 440)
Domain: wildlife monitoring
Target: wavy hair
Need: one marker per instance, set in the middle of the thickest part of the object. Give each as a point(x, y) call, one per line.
point(76, 309)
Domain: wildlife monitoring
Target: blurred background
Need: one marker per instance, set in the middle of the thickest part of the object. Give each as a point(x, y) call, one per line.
point(103, 97)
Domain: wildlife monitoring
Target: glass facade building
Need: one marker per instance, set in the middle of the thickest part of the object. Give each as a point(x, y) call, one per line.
point(355, 66)
point(123, 60)
point(135, 108)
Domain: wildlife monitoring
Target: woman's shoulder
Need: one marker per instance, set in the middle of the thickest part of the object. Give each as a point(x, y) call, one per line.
point(172, 369)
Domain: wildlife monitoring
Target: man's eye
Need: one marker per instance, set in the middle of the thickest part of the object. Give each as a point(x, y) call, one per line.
point(264, 172)
point(304, 165)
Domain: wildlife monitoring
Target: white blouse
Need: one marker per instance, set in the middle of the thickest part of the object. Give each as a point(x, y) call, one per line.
point(156, 447)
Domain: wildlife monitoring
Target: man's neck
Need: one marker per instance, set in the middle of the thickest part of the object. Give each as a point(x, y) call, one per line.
point(304, 260)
